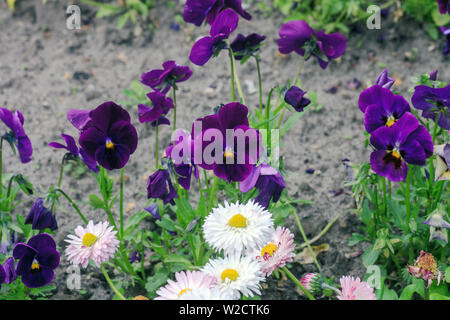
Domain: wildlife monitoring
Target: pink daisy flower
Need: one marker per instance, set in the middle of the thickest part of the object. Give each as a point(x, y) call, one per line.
point(277, 252)
point(97, 242)
point(186, 281)
point(306, 280)
point(355, 289)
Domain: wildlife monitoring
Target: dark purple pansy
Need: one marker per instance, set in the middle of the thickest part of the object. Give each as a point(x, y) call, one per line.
point(75, 152)
point(37, 260)
point(159, 186)
point(404, 142)
point(110, 138)
point(384, 80)
point(41, 217)
point(298, 36)
point(2, 275)
point(161, 105)
point(381, 107)
point(446, 33)
point(444, 6)
point(235, 161)
point(10, 270)
point(196, 11)
point(183, 165)
point(433, 75)
point(17, 136)
point(164, 79)
point(226, 22)
point(154, 211)
point(434, 102)
point(268, 181)
point(248, 46)
point(295, 97)
point(79, 118)
point(135, 257)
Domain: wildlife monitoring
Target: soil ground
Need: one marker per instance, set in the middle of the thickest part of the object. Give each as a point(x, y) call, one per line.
point(46, 69)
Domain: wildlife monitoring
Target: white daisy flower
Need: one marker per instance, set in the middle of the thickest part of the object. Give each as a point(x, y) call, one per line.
point(236, 227)
point(185, 282)
point(276, 252)
point(236, 274)
point(97, 242)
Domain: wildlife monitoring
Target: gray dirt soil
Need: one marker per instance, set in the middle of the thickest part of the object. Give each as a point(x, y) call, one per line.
point(46, 69)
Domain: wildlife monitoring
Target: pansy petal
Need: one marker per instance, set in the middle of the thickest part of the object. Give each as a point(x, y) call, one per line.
point(202, 51)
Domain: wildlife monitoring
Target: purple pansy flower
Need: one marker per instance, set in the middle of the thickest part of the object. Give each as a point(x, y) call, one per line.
point(433, 102)
point(154, 211)
point(384, 80)
point(2, 275)
point(109, 137)
point(156, 115)
point(433, 75)
point(298, 36)
point(75, 152)
point(40, 217)
point(10, 270)
point(404, 142)
point(135, 257)
point(183, 165)
point(444, 6)
point(236, 159)
point(17, 136)
point(381, 107)
point(244, 46)
point(163, 79)
point(295, 97)
point(37, 260)
point(226, 22)
point(268, 181)
point(159, 186)
point(196, 11)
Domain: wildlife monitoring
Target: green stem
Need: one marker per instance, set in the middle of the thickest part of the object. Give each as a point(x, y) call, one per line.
point(174, 109)
point(212, 194)
point(305, 239)
point(73, 204)
point(299, 71)
point(298, 283)
point(321, 233)
point(269, 142)
point(61, 173)
point(230, 53)
point(407, 196)
point(260, 86)
point(236, 77)
point(121, 204)
point(117, 292)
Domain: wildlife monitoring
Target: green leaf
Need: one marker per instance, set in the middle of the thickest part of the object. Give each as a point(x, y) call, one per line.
point(440, 19)
point(355, 239)
point(123, 20)
point(290, 122)
point(437, 296)
point(447, 275)
point(136, 218)
point(96, 202)
point(370, 256)
point(177, 259)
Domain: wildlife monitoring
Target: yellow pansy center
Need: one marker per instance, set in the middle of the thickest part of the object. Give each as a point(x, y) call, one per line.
point(35, 265)
point(109, 144)
point(268, 249)
point(390, 121)
point(184, 291)
point(231, 274)
point(238, 221)
point(89, 239)
point(396, 154)
point(228, 154)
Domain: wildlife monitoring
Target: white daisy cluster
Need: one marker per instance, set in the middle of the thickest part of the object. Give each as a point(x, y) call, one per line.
point(248, 247)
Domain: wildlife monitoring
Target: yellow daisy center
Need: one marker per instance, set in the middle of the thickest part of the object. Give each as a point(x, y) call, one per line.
point(184, 291)
point(390, 121)
point(35, 265)
point(238, 221)
point(231, 274)
point(269, 249)
point(109, 144)
point(89, 239)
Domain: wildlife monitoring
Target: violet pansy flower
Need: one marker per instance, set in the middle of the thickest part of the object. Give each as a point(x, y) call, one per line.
point(109, 137)
point(197, 11)
point(157, 114)
point(17, 136)
point(381, 107)
point(37, 260)
point(75, 152)
point(234, 157)
point(434, 102)
point(405, 142)
point(10, 270)
point(444, 6)
point(384, 80)
point(41, 217)
point(267, 180)
point(164, 79)
point(154, 211)
point(159, 186)
point(295, 97)
point(224, 25)
point(246, 46)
